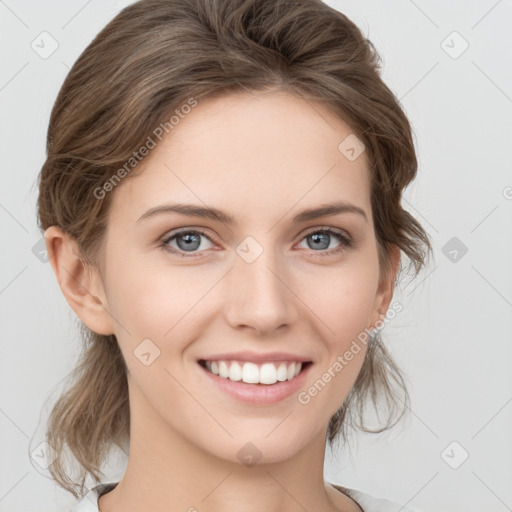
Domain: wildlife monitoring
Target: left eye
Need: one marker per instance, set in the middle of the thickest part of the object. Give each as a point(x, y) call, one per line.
point(190, 241)
point(323, 236)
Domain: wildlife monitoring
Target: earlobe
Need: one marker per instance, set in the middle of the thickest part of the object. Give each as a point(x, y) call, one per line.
point(79, 282)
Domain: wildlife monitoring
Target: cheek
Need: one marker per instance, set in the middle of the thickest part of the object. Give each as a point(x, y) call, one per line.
point(342, 303)
point(152, 299)
point(342, 298)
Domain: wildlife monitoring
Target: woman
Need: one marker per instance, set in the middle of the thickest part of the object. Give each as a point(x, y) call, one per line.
point(221, 208)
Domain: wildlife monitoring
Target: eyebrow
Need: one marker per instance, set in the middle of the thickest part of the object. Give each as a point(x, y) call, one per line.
point(192, 210)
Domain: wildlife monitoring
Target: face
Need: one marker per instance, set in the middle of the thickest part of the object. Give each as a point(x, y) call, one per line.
point(260, 284)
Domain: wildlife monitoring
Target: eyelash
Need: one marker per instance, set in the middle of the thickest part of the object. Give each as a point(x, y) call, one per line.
point(346, 242)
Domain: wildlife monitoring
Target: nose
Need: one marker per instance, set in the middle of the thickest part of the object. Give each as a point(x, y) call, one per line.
point(259, 296)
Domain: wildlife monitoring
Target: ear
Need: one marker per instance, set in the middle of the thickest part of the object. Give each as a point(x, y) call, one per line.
point(386, 287)
point(80, 283)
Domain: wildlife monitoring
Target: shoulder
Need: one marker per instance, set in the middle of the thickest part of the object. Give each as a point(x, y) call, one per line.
point(371, 503)
point(89, 502)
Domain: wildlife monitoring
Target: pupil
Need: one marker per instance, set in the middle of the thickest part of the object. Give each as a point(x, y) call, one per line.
point(189, 239)
point(317, 238)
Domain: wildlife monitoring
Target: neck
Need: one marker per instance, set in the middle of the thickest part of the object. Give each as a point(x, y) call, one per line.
point(166, 472)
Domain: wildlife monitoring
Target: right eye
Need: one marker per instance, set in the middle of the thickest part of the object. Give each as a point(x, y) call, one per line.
point(188, 241)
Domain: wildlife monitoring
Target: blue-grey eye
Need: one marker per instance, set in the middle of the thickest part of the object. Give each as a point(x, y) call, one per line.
point(321, 239)
point(187, 241)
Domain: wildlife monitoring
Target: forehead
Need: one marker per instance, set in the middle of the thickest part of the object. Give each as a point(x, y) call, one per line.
point(254, 151)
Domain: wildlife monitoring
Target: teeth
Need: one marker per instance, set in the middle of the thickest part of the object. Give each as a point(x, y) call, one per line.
point(235, 371)
point(291, 371)
point(282, 373)
point(251, 373)
point(268, 374)
point(223, 369)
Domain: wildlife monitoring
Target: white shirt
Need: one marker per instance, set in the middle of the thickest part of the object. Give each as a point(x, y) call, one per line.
point(89, 502)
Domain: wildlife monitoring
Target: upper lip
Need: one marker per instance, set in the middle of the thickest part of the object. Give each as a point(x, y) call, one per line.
point(254, 357)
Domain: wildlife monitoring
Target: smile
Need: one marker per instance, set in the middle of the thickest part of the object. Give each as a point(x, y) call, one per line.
point(252, 373)
point(256, 382)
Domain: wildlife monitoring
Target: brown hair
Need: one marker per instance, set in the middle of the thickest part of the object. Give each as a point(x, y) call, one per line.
point(152, 58)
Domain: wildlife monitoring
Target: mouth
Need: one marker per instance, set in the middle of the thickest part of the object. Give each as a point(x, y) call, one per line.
point(265, 374)
point(256, 378)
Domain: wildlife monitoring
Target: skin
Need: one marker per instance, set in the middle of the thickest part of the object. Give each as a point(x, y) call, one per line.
point(261, 157)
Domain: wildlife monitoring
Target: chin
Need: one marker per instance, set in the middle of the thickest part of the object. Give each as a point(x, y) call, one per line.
point(250, 446)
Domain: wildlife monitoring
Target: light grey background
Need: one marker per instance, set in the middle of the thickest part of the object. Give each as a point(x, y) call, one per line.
point(453, 337)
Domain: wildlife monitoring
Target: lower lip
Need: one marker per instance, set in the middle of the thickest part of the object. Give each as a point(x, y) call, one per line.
point(263, 394)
